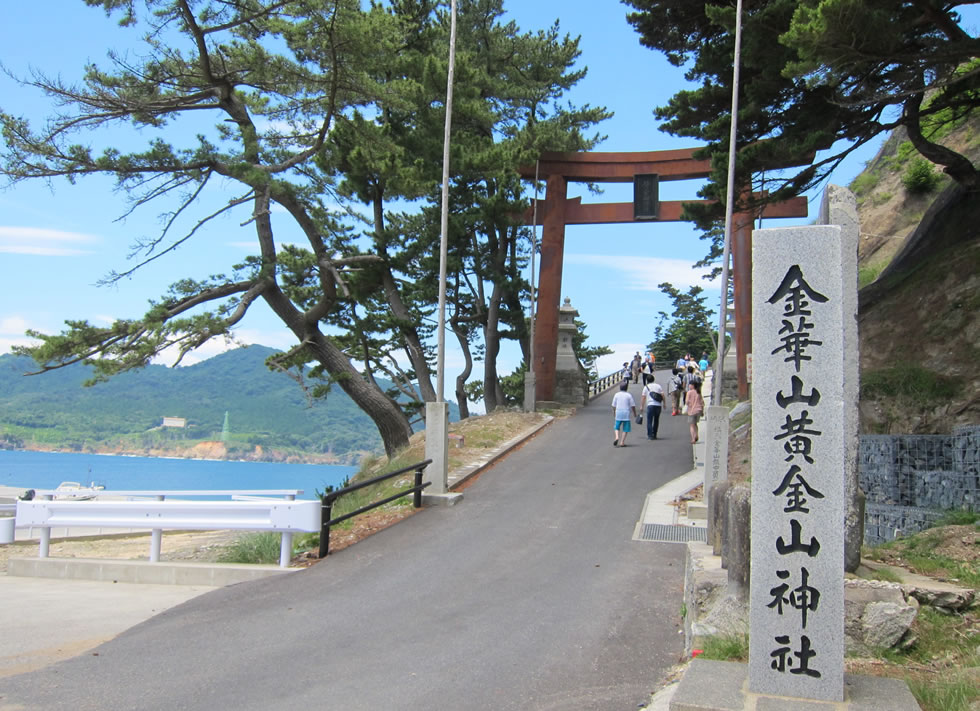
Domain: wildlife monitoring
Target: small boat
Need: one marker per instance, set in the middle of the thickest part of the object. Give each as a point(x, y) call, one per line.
point(74, 490)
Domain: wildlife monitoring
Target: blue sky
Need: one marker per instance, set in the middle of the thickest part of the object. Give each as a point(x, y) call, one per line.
point(57, 241)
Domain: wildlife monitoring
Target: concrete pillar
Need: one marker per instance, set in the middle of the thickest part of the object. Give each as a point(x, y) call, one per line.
point(530, 391)
point(739, 540)
point(437, 446)
point(549, 287)
point(717, 501)
point(839, 207)
point(716, 455)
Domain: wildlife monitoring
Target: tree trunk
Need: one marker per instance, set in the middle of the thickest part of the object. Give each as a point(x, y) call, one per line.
point(464, 407)
point(393, 425)
point(493, 395)
point(955, 165)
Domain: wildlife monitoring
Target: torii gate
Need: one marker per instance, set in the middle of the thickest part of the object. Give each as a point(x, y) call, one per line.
point(558, 169)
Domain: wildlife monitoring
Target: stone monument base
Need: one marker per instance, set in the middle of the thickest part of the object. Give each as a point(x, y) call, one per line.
point(709, 685)
point(572, 387)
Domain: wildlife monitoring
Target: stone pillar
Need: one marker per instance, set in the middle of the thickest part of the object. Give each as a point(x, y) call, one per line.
point(437, 446)
point(796, 615)
point(549, 286)
point(530, 391)
point(716, 464)
point(839, 207)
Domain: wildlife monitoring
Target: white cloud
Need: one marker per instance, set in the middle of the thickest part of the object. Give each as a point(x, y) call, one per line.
point(13, 324)
point(42, 242)
point(645, 273)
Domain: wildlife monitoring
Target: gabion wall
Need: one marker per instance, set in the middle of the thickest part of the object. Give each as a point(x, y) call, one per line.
point(883, 523)
point(903, 475)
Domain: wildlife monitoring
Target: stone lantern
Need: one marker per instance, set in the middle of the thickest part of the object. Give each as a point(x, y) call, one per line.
point(571, 380)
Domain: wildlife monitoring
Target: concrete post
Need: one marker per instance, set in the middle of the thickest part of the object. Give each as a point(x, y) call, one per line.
point(530, 391)
point(716, 464)
point(437, 446)
point(839, 207)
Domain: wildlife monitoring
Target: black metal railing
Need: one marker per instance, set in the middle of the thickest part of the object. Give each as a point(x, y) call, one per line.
point(604, 383)
point(327, 500)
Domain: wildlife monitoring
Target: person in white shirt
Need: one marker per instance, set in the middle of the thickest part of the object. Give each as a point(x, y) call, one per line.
point(625, 408)
point(652, 401)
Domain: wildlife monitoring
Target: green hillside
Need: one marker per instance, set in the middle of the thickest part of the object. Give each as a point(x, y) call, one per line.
point(264, 408)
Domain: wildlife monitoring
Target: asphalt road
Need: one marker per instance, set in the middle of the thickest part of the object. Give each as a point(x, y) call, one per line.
point(529, 594)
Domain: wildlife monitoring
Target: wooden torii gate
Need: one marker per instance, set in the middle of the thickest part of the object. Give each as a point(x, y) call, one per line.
point(558, 169)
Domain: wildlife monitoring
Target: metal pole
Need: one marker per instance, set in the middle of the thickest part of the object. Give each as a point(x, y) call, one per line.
point(45, 542)
point(417, 496)
point(444, 228)
point(729, 210)
point(286, 542)
point(156, 540)
point(326, 513)
point(534, 249)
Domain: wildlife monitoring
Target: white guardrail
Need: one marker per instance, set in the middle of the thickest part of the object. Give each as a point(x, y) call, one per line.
point(249, 511)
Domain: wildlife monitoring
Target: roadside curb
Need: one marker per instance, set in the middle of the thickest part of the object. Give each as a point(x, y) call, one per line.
point(457, 478)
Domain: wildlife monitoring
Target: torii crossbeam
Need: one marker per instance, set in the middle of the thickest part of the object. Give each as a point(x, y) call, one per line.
point(558, 169)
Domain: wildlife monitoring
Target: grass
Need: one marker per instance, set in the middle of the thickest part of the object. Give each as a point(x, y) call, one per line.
point(945, 646)
point(253, 549)
point(918, 553)
point(885, 576)
point(909, 380)
point(726, 647)
point(869, 273)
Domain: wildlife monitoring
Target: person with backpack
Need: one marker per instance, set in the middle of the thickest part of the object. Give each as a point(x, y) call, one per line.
point(653, 401)
point(693, 376)
point(676, 390)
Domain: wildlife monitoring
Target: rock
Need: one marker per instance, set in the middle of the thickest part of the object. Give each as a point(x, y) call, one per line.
point(947, 600)
point(886, 623)
point(744, 406)
point(876, 615)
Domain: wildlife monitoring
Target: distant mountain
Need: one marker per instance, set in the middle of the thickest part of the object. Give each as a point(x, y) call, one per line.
point(264, 408)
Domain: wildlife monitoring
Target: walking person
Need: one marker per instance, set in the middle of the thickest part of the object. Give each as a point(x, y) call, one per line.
point(653, 402)
point(635, 365)
point(695, 408)
point(625, 408)
point(647, 371)
point(676, 390)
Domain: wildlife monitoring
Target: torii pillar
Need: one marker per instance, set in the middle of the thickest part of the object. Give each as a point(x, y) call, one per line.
point(558, 169)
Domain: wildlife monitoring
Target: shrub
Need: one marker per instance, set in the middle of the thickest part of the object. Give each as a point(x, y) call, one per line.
point(864, 183)
point(920, 177)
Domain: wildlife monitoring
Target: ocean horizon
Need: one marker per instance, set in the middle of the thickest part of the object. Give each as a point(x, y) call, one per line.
point(23, 469)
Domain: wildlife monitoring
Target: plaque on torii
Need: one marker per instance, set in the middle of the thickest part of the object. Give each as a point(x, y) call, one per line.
point(645, 170)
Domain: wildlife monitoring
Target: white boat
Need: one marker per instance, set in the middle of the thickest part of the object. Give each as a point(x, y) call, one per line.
point(74, 490)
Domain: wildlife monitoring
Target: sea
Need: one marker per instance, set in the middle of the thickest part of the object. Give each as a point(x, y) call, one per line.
point(46, 470)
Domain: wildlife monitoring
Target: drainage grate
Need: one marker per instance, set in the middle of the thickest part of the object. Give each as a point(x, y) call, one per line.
point(662, 533)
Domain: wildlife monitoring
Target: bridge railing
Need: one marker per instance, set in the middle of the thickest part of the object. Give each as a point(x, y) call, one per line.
point(328, 500)
point(597, 387)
